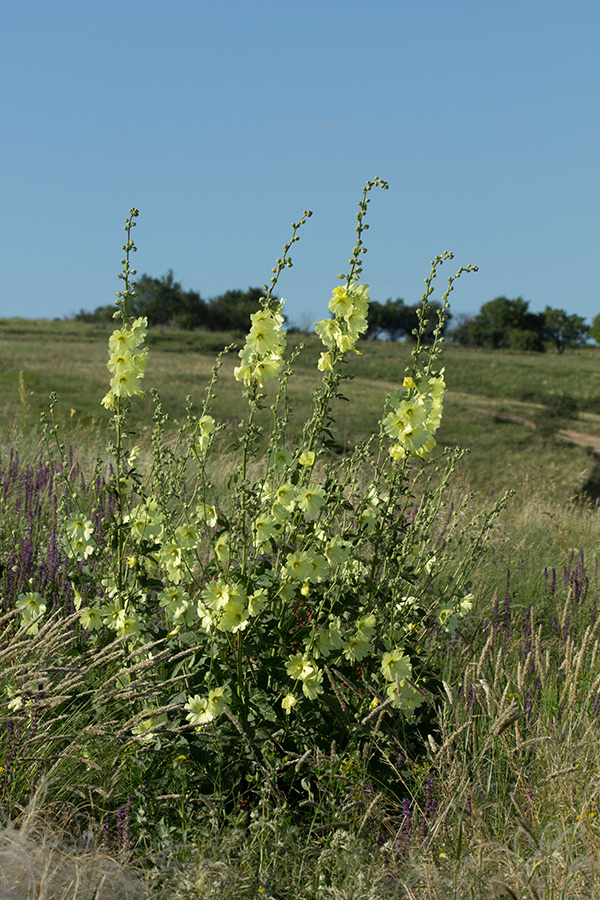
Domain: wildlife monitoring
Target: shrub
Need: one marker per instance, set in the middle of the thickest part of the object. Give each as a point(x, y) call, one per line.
point(277, 609)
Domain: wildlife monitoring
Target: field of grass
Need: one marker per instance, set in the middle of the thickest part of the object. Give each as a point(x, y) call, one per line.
point(504, 798)
point(496, 403)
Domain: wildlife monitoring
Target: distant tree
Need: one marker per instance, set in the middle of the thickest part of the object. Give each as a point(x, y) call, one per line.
point(563, 330)
point(100, 314)
point(191, 312)
point(595, 329)
point(164, 302)
point(506, 323)
point(159, 299)
point(391, 319)
point(231, 311)
point(395, 320)
point(462, 330)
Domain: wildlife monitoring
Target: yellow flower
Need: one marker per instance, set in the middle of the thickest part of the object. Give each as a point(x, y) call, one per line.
point(365, 627)
point(257, 602)
point(234, 617)
point(121, 361)
point(404, 696)
point(123, 339)
point(126, 384)
point(78, 527)
point(207, 514)
point(396, 665)
point(357, 648)
point(285, 495)
point(319, 568)
point(126, 624)
point(218, 699)
point(216, 594)
point(311, 499)
point(199, 712)
point(108, 401)
point(31, 606)
point(288, 702)
point(325, 363)
point(298, 565)
point(328, 330)
point(312, 684)
point(341, 302)
point(187, 537)
point(409, 415)
point(299, 666)
point(222, 548)
point(337, 551)
point(264, 528)
point(90, 618)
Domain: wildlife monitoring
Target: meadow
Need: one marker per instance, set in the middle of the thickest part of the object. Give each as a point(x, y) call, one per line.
point(502, 799)
point(267, 632)
point(507, 408)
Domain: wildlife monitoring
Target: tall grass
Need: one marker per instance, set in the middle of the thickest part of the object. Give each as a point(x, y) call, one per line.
point(107, 789)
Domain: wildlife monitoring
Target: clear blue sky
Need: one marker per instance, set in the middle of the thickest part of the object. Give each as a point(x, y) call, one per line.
point(222, 120)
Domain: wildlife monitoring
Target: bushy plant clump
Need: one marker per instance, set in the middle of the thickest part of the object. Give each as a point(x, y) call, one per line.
point(287, 601)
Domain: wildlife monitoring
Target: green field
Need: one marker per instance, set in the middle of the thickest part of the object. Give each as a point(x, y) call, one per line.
point(501, 798)
point(496, 405)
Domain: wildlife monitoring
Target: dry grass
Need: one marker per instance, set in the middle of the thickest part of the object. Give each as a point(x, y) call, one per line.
point(40, 861)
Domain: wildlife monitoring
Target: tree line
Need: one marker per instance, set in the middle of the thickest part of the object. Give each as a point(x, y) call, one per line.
point(164, 302)
point(500, 324)
point(509, 324)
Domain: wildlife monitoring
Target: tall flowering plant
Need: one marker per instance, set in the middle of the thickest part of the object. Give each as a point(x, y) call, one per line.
point(300, 603)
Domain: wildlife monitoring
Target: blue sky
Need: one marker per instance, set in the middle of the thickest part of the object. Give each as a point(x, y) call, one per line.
point(222, 121)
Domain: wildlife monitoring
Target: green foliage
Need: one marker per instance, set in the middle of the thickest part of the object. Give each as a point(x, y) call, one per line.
point(503, 323)
point(396, 320)
point(162, 301)
point(559, 410)
point(508, 324)
point(298, 600)
point(562, 330)
point(595, 328)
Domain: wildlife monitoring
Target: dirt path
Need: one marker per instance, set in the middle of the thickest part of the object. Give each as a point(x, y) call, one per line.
point(579, 437)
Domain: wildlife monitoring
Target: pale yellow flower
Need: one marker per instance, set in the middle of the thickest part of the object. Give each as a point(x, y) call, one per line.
point(328, 330)
point(288, 702)
point(298, 565)
point(187, 537)
point(299, 666)
point(311, 499)
point(218, 699)
point(396, 664)
point(234, 616)
point(312, 684)
point(325, 363)
point(199, 711)
point(307, 458)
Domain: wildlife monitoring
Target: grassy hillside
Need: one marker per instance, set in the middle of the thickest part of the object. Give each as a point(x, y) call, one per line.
point(508, 408)
point(502, 799)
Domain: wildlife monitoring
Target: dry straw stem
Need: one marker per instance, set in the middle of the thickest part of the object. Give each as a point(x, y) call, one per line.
point(37, 862)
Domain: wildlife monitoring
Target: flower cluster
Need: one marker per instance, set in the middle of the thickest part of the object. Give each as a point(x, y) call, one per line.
point(127, 361)
point(275, 585)
point(202, 710)
point(78, 537)
point(415, 416)
point(349, 306)
point(32, 607)
point(262, 354)
point(397, 671)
